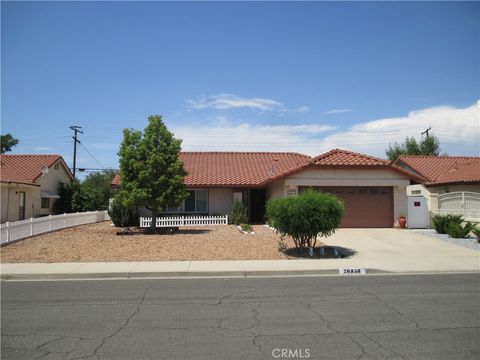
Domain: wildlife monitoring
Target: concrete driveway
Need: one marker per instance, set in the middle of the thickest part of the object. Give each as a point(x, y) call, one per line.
point(403, 251)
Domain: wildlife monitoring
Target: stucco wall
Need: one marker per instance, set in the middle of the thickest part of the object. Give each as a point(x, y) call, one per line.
point(11, 200)
point(452, 188)
point(51, 182)
point(220, 201)
point(276, 189)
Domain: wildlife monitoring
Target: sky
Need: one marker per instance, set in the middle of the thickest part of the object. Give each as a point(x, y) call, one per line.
point(227, 76)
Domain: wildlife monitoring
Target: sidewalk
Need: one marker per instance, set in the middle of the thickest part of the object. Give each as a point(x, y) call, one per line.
point(238, 269)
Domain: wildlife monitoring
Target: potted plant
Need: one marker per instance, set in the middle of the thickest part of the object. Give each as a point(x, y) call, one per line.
point(402, 222)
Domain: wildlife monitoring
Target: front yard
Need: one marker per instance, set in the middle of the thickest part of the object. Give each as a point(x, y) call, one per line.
point(99, 242)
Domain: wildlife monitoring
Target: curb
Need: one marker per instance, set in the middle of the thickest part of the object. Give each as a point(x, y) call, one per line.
point(186, 275)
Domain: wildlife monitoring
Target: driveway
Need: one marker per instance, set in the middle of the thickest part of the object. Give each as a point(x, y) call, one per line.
point(403, 251)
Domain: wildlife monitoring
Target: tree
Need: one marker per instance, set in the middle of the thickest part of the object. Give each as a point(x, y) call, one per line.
point(96, 187)
point(306, 216)
point(72, 199)
point(7, 142)
point(151, 173)
point(430, 145)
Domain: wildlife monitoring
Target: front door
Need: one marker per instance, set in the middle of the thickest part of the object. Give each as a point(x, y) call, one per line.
point(257, 205)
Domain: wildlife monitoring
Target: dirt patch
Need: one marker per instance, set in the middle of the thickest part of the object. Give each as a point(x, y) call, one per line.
point(99, 242)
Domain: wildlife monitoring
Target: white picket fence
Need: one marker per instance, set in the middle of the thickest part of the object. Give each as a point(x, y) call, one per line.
point(462, 203)
point(13, 231)
point(176, 221)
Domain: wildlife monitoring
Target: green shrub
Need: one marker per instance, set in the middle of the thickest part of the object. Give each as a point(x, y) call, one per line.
point(246, 227)
point(123, 216)
point(476, 231)
point(239, 213)
point(442, 222)
point(458, 231)
point(306, 216)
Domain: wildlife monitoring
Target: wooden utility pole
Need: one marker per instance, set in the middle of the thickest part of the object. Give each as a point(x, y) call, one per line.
point(76, 130)
point(426, 131)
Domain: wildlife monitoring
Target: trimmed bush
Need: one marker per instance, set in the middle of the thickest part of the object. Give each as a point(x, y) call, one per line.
point(246, 227)
point(123, 216)
point(441, 223)
point(458, 231)
point(306, 216)
point(239, 213)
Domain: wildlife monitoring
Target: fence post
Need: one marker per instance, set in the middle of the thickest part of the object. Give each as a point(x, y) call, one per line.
point(7, 224)
point(49, 222)
point(31, 226)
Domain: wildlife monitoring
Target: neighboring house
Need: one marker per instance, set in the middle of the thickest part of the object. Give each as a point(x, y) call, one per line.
point(442, 174)
point(29, 184)
point(373, 189)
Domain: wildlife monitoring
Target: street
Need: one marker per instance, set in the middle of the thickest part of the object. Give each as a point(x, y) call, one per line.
point(333, 317)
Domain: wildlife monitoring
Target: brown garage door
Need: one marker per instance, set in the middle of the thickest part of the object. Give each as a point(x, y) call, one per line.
point(364, 206)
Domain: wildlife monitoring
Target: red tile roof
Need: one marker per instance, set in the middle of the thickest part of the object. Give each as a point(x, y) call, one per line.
point(115, 181)
point(440, 170)
point(338, 157)
point(24, 169)
point(210, 169)
point(235, 168)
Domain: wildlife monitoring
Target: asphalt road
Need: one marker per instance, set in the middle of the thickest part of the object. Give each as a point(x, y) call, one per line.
point(374, 317)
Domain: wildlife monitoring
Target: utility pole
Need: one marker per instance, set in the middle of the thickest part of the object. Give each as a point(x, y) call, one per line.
point(426, 131)
point(76, 130)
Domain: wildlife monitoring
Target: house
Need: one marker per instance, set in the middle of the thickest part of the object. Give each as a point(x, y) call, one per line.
point(443, 174)
point(29, 184)
point(373, 189)
point(446, 174)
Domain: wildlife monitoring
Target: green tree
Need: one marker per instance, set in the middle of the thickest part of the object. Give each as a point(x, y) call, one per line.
point(97, 189)
point(72, 199)
point(428, 146)
point(151, 173)
point(306, 216)
point(7, 142)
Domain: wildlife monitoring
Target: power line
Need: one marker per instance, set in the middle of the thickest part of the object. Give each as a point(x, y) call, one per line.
point(93, 157)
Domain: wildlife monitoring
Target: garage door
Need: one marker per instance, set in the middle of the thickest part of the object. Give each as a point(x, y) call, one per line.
point(364, 206)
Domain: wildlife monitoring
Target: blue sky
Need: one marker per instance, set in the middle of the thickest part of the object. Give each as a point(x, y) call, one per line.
point(303, 77)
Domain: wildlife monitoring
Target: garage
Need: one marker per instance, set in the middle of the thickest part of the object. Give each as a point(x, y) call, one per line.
point(365, 207)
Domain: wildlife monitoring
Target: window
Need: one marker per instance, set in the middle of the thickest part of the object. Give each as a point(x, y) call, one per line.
point(196, 202)
point(57, 166)
point(45, 203)
point(21, 205)
point(416, 192)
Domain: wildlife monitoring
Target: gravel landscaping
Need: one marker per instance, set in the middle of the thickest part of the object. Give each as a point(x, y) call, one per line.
point(99, 242)
point(471, 243)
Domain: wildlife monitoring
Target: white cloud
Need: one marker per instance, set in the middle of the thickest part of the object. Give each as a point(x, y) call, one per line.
point(338, 111)
point(230, 101)
point(302, 109)
point(457, 128)
point(249, 137)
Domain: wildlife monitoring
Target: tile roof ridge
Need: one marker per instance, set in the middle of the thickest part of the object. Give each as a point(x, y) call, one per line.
point(333, 151)
point(439, 156)
point(32, 155)
point(247, 152)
